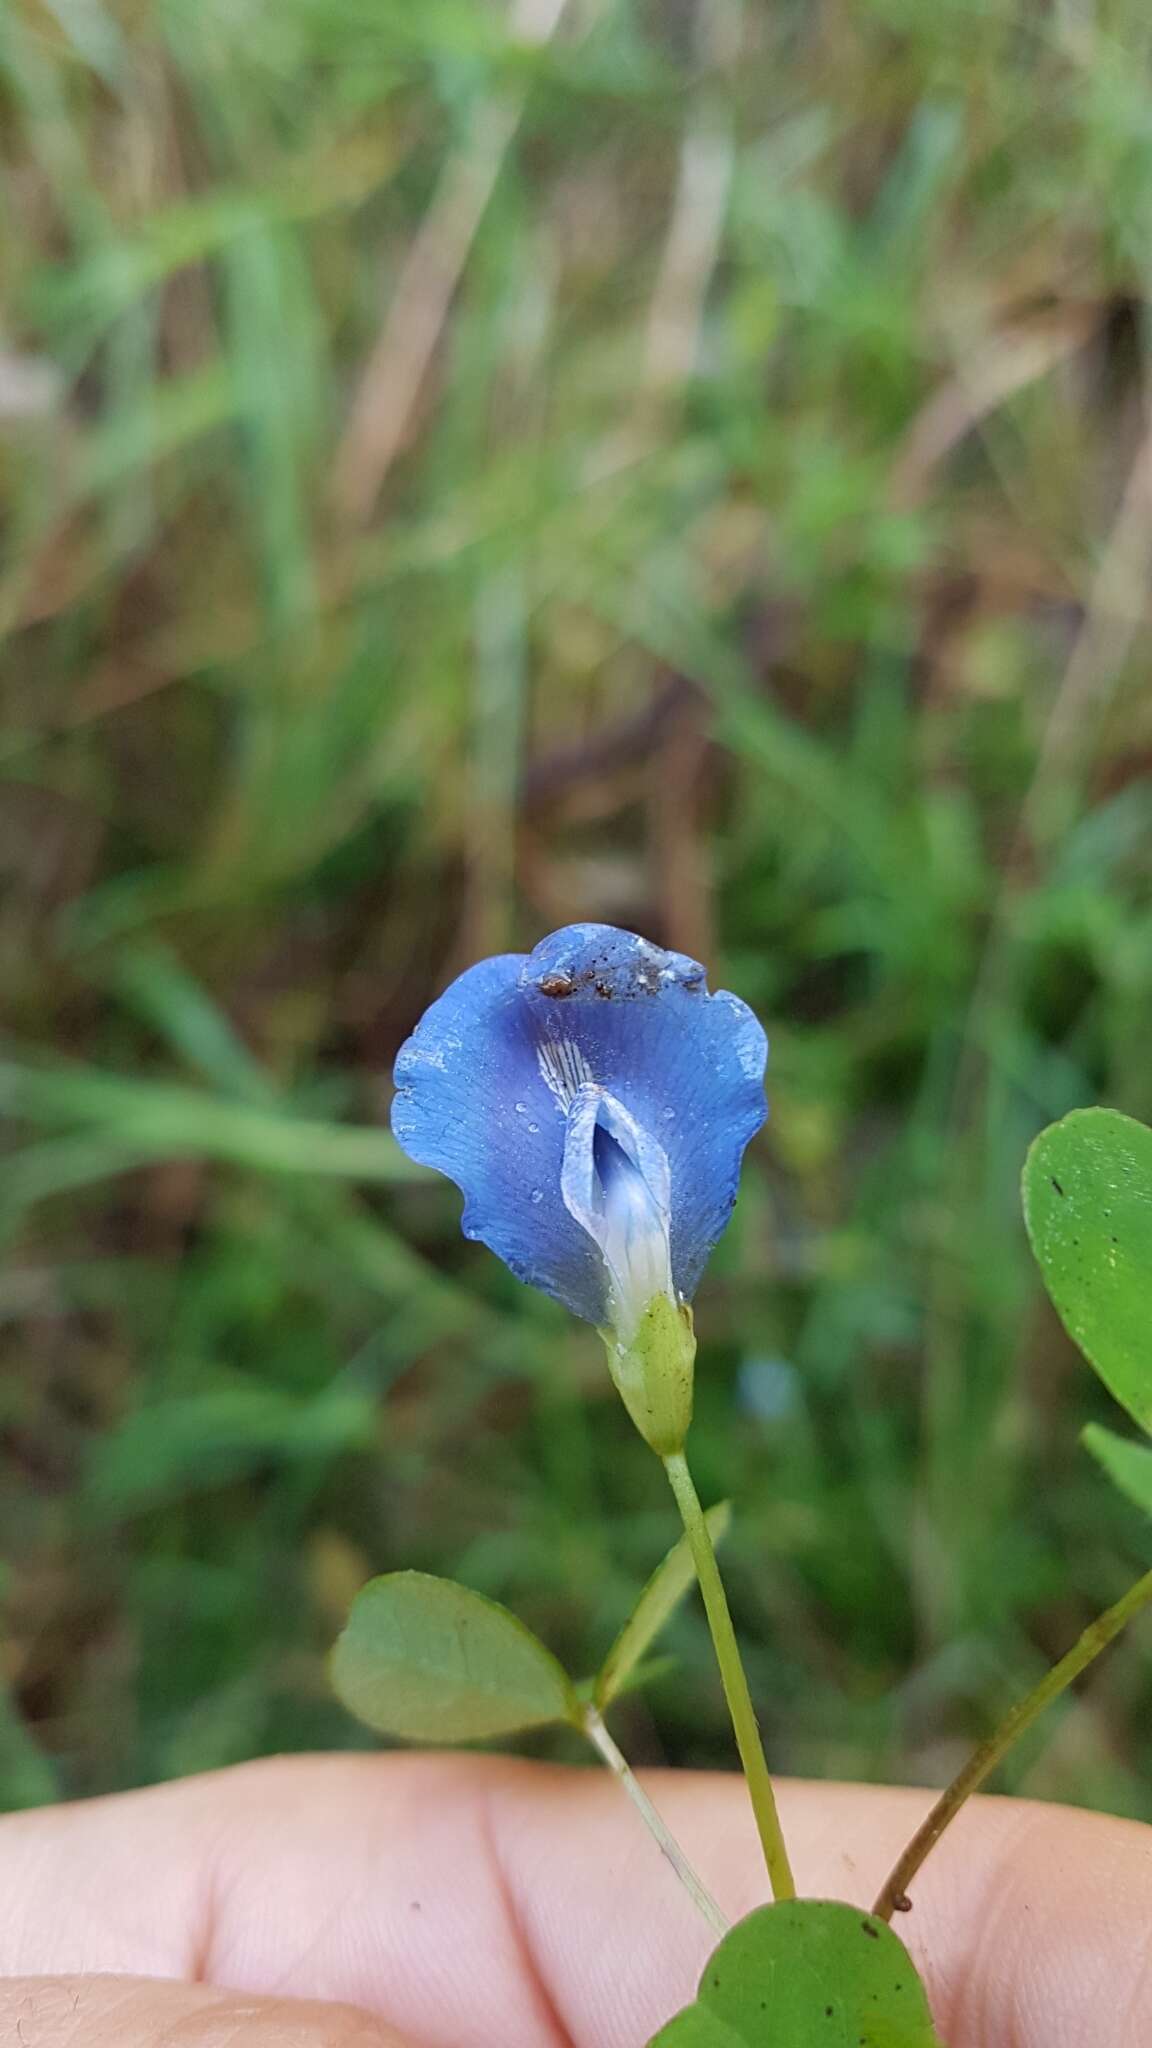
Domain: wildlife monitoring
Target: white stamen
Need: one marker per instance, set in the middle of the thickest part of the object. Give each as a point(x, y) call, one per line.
point(564, 1069)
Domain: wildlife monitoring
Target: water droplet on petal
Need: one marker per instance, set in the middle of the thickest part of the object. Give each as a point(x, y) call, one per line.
point(533, 1127)
point(669, 1115)
point(537, 1194)
point(521, 1107)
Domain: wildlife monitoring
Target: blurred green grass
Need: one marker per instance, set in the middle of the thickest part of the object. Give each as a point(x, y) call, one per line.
point(681, 464)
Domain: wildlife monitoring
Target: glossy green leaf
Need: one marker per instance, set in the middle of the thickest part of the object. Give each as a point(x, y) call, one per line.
point(1128, 1464)
point(430, 1661)
point(807, 1973)
point(1088, 1204)
point(656, 1605)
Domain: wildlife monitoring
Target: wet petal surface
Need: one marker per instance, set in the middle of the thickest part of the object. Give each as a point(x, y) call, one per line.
point(600, 1063)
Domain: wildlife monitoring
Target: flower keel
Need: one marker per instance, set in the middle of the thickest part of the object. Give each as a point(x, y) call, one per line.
point(615, 1182)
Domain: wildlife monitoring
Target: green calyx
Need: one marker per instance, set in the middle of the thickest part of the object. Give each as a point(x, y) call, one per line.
point(653, 1373)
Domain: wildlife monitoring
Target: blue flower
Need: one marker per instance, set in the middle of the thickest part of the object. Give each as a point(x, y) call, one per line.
point(592, 1101)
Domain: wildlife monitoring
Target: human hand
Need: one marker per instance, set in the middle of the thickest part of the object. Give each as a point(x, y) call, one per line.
point(470, 1902)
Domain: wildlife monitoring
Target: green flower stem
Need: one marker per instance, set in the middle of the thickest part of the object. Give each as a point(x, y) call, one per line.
point(732, 1674)
point(1096, 1637)
point(618, 1764)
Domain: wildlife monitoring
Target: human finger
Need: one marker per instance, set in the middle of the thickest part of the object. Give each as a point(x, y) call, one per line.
point(473, 1901)
point(143, 2012)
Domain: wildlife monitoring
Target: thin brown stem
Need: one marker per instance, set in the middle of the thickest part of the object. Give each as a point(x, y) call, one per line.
point(894, 1893)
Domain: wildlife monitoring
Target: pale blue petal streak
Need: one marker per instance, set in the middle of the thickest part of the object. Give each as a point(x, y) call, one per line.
point(615, 1182)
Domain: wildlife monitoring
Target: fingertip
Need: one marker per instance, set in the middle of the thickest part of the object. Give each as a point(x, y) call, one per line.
point(142, 2012)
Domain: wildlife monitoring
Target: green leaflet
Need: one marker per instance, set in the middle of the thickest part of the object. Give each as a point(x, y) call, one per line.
point(1128, 1464)
point(1088, 1204)
point(430, 1661)
point(808, 1973)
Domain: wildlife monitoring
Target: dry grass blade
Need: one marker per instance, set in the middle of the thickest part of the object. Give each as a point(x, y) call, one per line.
point(1117, 607)
point(1014, 358)
point(692, 245)
point(395, 370)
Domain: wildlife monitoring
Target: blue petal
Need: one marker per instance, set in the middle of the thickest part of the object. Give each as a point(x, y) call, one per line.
point(488, 1078)
point(471, 1102)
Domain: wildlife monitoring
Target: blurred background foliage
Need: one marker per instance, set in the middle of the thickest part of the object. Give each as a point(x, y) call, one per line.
point(681, 462)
